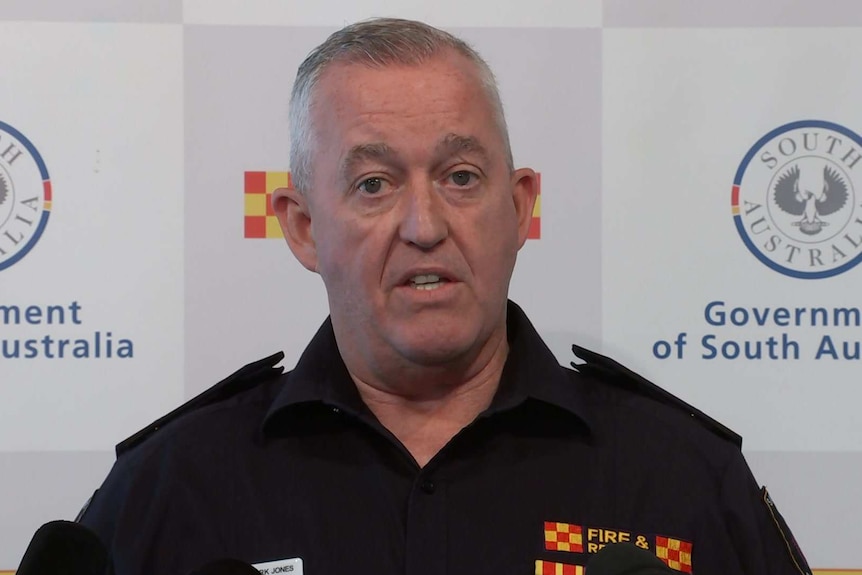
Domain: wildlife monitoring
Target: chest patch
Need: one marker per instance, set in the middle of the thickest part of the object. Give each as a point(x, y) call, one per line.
point(572, 538)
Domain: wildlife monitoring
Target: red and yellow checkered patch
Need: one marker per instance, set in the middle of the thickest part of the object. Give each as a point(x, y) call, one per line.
point(564, 537)
point(552, 568)
point(260, 220)
point(675, 553)
point(535, 232)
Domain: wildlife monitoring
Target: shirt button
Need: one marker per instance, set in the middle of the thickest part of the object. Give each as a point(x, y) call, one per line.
point(428, 486)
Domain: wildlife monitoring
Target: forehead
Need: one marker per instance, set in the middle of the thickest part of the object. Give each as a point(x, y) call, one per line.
point(448, 65)
point(359, 100)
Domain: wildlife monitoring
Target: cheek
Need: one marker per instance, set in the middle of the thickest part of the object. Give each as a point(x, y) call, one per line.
point(348, 253)
point(489, 248)
point(497, 260)
point(329, 242)
point(495, 236)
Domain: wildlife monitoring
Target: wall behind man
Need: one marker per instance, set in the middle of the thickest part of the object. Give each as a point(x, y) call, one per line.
point(139, 140)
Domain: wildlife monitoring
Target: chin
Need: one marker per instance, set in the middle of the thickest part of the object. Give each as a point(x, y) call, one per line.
point(434, 358)
point(438, 349)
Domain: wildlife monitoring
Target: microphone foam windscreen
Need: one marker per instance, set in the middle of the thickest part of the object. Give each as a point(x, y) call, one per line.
point(64, 548)
point(626, 559)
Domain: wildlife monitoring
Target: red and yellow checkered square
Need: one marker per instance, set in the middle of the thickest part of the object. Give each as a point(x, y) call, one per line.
point(675, 553)
point(260, 221)
point(535, 232)
point(552, 568)
point(564, 537)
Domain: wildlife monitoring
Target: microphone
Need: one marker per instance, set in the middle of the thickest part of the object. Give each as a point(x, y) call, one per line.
point(64, 548)
point(226, 567)
point(626, 559)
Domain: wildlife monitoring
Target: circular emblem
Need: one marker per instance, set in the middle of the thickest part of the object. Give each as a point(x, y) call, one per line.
point(25, 196)
point(797, 199)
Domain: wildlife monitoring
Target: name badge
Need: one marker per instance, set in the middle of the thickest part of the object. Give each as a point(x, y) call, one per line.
point(280, 567)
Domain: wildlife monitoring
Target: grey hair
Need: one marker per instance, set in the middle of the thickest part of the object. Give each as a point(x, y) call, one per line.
point(377, 43)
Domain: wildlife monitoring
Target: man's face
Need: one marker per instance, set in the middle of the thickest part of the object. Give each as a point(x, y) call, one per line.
point(415, 216)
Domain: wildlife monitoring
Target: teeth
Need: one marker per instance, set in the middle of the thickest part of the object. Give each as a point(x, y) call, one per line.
point(425, 279)
point(426, 282)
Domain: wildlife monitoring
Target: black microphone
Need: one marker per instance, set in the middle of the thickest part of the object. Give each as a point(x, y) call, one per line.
point(626, 559)
point(64, 548)
point(226, 567)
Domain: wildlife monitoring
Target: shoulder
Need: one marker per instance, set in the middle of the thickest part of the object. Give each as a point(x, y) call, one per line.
point(657, 439)
point(626, 385)
point(247, 386)
point(222, 421)
point(196, 435)
point(642, 424)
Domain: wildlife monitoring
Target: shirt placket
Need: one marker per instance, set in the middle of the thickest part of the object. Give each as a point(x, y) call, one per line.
point(426, 550)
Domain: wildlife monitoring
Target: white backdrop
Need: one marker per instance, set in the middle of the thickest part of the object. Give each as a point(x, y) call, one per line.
point(640, 115)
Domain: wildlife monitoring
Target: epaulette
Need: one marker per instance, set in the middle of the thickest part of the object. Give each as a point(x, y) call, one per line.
point(606, 369)
point(245, 378)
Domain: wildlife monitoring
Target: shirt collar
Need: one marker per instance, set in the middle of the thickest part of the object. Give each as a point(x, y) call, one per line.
point(531, 372)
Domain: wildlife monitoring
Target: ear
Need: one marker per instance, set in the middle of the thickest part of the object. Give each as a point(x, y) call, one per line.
point(294, 217)
point(525, 192)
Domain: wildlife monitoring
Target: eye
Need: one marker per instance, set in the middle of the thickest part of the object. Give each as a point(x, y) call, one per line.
point(371, 186)
point(462, 178)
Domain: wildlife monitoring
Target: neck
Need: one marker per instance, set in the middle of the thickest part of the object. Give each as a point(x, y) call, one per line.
point(426, 408)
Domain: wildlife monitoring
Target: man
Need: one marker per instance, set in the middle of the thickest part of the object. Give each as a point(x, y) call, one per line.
point(426, 428)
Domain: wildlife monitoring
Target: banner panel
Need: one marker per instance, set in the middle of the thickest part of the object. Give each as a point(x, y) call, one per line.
point(91, 297)
point(757, 320)
point(237, 147)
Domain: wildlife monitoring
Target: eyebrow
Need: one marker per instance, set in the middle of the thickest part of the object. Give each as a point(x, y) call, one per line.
point(450, 145)
point(361, 152)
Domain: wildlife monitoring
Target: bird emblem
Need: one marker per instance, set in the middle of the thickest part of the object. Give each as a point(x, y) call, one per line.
point(812, 196)
point(4, 190)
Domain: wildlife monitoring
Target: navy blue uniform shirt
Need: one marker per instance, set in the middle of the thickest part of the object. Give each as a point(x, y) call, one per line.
point(560, 464)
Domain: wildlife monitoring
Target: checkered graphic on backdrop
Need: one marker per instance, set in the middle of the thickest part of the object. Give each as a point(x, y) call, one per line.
point(152, 115)
point(260, 220)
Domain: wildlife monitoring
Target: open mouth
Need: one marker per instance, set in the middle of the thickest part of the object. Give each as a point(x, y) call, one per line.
point(426, 282)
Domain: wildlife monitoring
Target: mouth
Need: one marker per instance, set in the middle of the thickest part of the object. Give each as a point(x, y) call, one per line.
point(426, 282)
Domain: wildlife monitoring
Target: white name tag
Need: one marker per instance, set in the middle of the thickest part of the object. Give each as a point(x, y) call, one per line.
point(280, 567)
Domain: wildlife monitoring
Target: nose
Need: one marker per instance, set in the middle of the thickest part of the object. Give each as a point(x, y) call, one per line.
point(424, 221)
